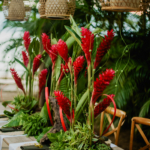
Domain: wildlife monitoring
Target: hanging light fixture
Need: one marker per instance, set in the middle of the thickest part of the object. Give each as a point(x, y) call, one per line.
point(120, 5)
point(57, 9)
point(16, 10)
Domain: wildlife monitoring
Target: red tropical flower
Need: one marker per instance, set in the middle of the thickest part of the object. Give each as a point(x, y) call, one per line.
point(46, 43)
point(103, 48)
point(64, 103)
point(64, 70)
point(36, 63)
point(62, 50)
point(53, 54)
point(101, 83)
point(87, 43)
point(25, 58)
point(102, 106)
point(27, 40)
point(17, 79)
point(78, 66)
point(42, 80)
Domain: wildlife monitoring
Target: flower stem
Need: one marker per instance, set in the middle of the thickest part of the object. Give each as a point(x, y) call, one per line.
point(75, 95)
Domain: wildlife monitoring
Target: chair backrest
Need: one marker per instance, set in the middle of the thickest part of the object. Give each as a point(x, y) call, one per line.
point(119, 113)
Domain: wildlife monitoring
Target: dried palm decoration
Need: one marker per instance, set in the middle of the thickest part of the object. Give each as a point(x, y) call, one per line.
point(120, 5)
point(16, 10)
point(57, 9)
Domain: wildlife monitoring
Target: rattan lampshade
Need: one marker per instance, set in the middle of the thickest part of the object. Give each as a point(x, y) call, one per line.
point(41, 8)
point(120, 5)
point(57, 9)
point(16, 10)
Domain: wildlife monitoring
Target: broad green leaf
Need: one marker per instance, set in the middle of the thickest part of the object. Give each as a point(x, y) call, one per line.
point(65, 36)
point(88, 26)
point(97, 30)
point(21, 64)
point(81, 103)
point(57, 67)
point(53, 137)
point(145, 109)
point(94, 49)
point(53, 41)
point(70, 41)
point(74, 26)
point(44, 112)
point(74, 34)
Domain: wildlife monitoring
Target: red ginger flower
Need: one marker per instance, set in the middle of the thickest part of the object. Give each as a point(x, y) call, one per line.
point(46, 43)
point(101, 83)
point(78, 66)
point(25, 58)
point(63, 50)
point(27, 40)
point(53, 54)
point(87, 43)
point(102, 106)
point(36, 63)
point(103, 48)
point(42, 80)
point(64, 103)
point(17, 79)
point(64, 70)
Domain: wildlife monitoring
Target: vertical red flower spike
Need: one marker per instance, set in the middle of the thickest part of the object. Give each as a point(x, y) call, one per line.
point(46, 43)
point(78, 66)
point(101, 83)
point(42, 80)
point(27, 40)
point(102, 105)
point(103, 48)
point(25, 58)
point(17, 80)
point(87, 43)
point(63, 50)
point(64, 70)
point(64, 103)
point(53, 54)
point(36, 63)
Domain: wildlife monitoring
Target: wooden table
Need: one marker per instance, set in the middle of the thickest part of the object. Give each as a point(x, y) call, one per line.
point(20, 139)
point(17, 139)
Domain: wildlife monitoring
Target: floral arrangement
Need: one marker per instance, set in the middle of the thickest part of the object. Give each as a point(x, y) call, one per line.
point(72, 102)
point(31, 62)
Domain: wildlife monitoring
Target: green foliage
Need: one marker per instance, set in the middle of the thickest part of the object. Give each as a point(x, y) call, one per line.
point(34, 124)
point(22, 103)
point(75, 140)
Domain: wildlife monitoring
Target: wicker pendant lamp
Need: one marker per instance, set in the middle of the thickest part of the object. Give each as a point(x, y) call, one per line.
point(120, 5)
point(57, 9)
point(16, 10)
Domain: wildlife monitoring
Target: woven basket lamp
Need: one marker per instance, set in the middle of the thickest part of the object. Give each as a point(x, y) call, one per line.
point(121, 5)
point(16, 10)
point(5, 7)
point(41, 8)
point(58, 9)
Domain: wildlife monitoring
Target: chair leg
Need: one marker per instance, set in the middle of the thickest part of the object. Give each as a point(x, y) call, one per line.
point(132, 135)
point(118, 131)
point(143, 135)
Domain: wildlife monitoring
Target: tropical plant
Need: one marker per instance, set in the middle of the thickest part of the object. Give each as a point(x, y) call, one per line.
point(72, 102)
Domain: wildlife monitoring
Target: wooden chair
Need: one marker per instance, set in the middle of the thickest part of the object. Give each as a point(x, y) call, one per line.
point(119, 113)
point(135, 122)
